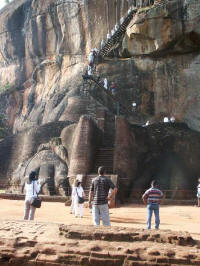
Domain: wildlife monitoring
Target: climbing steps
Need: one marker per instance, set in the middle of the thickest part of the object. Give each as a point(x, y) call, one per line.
point(117, 35)
point(104, 157)
point(122, 109)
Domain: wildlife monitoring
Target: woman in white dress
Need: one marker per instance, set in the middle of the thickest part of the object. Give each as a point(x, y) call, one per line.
point(32, 188)
point(78, 191)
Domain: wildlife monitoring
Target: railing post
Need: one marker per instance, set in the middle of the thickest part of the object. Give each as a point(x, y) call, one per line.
point(118, 109)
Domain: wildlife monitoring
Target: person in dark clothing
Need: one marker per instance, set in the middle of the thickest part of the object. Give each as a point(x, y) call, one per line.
point(99, 191)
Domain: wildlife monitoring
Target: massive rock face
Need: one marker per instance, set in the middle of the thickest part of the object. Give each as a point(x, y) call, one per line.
point(43, 54)
point(168, 35)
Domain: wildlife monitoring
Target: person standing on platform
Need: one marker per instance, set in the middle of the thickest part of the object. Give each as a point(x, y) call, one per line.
point(78, 192)
point(32, 188)
point(152, 197)
point(198, 193)
point(99, 191)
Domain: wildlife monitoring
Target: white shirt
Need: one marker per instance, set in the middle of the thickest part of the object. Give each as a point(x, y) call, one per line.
point(78, 190)
point(121, 20)
point(116, 27)
point(105, 83)
point(89, 70)
point(32, 189)
point(108, 36)
point(102, 43)
point(165, 120)
point(172, 119)
point(198, 191)
point(91, 57)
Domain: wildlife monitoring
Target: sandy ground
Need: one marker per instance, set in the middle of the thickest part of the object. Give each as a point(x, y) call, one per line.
point(177, 218)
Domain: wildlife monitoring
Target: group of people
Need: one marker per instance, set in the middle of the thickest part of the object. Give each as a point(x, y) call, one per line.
point(99, 195)
point(101, 191)
point(165, 120)
point(112, 87)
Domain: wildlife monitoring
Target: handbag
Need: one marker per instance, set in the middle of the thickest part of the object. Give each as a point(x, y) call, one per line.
point(80, 199)
point(35, 201)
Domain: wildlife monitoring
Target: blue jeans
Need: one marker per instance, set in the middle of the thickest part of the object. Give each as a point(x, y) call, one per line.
point(153, 207)
point(101, 212)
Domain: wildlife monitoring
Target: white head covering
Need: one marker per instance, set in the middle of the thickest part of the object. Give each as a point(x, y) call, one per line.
point(172, 119)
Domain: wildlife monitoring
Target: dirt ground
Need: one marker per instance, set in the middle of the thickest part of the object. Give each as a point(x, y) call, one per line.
point(176, 218)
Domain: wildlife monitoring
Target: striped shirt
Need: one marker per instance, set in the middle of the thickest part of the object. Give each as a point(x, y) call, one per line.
point(100, 187)
point(153, 195)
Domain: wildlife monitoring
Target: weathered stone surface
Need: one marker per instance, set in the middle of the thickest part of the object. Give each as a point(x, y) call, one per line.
point(16, 151)
point(84, 146)
point(53, 244)
point(169, 28)
point(125, 155)
point(167, 152)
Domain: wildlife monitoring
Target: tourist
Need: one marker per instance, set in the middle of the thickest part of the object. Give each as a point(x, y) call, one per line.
point(72, 199)
point(172, 119)
point(112, 32)
point(99, 194)
point(32, 188)
point(113, 88)
point(91, 57)
point(146, 124)
point(198, 193)
point(89, 70)
point(166, 120)
point(121, 20)
point(134, 105)
point(102, 44)
point(76, 193)
point(95, 51)
point(152, 198)
point(90, 62)
point(108, 36)
point(116, 27)
point(105, 83)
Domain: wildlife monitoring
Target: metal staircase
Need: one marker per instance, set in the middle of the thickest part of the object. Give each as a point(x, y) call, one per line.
point(123, 110)
point(117, 35)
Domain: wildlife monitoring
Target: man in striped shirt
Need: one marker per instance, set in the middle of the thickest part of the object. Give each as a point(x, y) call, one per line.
point(99, 195)
point(152, 197)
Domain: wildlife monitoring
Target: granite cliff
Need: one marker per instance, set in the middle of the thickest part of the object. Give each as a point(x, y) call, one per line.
point(155, 63)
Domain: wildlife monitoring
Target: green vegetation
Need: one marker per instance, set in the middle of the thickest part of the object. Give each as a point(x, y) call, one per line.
point(4, 129)
point(7, 88)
